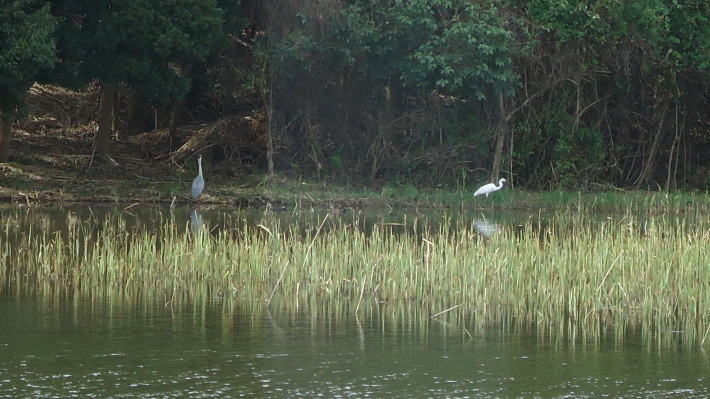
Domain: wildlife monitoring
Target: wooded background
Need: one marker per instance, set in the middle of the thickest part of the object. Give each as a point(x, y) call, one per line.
point(546, 93)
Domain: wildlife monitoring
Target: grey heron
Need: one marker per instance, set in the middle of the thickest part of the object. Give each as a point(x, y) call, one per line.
point(199, 183)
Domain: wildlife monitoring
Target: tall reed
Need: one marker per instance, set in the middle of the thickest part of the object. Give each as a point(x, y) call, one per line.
point(570, 275)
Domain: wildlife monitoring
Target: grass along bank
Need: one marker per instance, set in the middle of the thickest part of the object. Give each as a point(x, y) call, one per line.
point(304, 194)
point(574, 272)
point(69, 180)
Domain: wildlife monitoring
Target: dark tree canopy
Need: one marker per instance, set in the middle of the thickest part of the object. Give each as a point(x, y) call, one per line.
point(146, 44)
point(27, 48)
point(546, 93)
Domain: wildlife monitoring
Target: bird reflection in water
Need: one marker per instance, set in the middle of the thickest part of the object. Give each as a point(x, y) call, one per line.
point(485, 228)
point(196, 221)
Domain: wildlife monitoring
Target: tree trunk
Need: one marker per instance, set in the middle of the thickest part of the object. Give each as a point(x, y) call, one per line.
point(176, 117)
point(5, 137)
point(268, 99)
point(103, 135)
point(395, 95)
point(115, 111)
point(671, 176)
point(162, 118)
point(500, 138)
point(135, 117)
point(650, 163)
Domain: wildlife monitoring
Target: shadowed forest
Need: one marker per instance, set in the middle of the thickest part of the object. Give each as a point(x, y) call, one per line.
point(550, 94)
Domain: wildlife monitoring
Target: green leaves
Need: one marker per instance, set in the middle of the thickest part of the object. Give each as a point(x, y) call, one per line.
point(455, 47)
point(660, 25)
point(149, 44)
point(27, 47)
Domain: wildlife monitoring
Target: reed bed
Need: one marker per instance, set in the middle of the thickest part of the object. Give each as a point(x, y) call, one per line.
point(570, 275)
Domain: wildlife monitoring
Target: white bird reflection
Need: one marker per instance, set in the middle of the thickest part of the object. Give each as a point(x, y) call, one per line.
point(196, 221)
point(485, 228)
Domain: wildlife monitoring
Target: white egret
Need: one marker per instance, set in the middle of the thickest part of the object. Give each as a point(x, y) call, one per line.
point(489, 188)
point(199, 183)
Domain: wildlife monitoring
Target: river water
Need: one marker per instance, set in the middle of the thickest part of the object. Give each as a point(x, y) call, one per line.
point(58, 347)
point(80, 349)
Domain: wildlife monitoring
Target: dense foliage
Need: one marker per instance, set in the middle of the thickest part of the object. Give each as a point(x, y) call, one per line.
point(547, 93)
point(146, 44)
point(27, 47)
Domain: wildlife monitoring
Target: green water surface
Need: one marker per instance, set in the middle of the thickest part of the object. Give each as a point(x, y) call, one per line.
point(72, 348)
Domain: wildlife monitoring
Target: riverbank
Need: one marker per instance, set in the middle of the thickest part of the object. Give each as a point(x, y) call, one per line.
point(44, 174)
point(136, 181)
point(53, 162)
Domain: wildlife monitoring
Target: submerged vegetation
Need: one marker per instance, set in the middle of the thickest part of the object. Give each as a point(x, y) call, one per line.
point(568, 274)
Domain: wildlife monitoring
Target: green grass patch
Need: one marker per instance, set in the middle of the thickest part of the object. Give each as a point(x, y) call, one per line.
point(572, 272)
point(308, 193)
